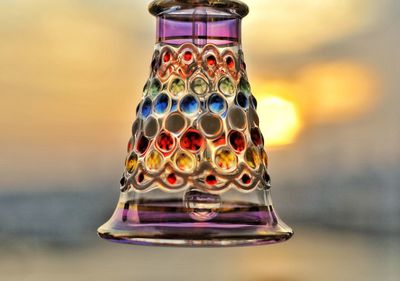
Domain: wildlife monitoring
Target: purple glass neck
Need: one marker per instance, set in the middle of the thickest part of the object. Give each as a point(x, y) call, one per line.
point(200, 27)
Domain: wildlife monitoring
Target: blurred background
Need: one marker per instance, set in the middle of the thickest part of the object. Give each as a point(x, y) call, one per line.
point(326, 74)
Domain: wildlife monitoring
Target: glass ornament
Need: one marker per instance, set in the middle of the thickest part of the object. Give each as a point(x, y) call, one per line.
point(196, 171)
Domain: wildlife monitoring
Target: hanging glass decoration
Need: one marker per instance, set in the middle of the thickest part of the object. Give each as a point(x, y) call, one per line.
point(196, 170)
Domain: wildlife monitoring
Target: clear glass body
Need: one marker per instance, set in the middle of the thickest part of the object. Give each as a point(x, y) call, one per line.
point(196, 171)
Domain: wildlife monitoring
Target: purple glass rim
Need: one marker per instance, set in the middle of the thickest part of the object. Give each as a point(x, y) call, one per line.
point(198, 30)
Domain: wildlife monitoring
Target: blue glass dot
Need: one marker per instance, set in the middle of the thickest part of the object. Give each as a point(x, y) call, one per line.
point(216, 103)
point(189, 104)
point(146, 107)
point(161, 103)
point(242, 100)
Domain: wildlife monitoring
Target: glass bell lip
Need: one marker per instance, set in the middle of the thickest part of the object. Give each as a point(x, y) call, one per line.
point(196, 170)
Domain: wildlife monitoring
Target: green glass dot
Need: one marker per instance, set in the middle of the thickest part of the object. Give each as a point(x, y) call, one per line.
point(155, 88)
point(177, 87)
point(199, 86)
point(226, 86)
point(244, 86)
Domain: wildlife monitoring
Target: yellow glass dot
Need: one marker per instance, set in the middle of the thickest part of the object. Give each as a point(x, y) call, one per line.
point(131, 163)
point(184, 161)
point(226, 159)
point(252, 158)
point(265, 158)
point(154, 161)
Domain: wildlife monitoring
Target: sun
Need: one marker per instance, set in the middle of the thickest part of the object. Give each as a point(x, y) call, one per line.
point(279, 120)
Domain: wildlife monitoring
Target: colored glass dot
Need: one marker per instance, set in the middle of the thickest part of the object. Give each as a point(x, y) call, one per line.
point(226, 159)
point(199, 86)
point(161, 103)
point(136, 126)
point(154, 161)
point(230, 62)
point(237, 141)
point(177, 87)
point(175, 123)
point(130, 145)
point(264, 157)
point(140, 178)
point(226, 86)
point(253, 102)
point(211, 180)
point(151, 127)
point(267, 179)
point(155, 87)
point(171, 178)
point(242, 100)
point(184, 161)
point(237, 118)
point(131, 163)
point(246, 179)
point(165, 142)
point(211, 125)
point(216, 103)
point(122, 182)
point(211, 61)
point(256, 136)
point(253, 117)
point(192, 140)
point(187, 56)
point(167, 56)
point(244, 86)
point(189, 104)
point(142, 144)
point(146, 108)
point(252, 158)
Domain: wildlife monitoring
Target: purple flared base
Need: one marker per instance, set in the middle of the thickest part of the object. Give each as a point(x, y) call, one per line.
point(168, 225)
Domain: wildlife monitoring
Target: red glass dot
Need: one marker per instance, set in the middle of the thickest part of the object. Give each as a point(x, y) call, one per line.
point(171, 178)
point(192, 140)
point(130, 146)
point(246, 179)
point(230, 62)
point(142, 144)
point(165, 142)
point(187, 56)
point(140, 177)
point(167, 57)
point(211, 180)
point(237, 141)
point(211, 61)
point(256, 136)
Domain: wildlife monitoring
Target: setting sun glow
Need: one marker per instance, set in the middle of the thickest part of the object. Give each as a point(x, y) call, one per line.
point(280, 121)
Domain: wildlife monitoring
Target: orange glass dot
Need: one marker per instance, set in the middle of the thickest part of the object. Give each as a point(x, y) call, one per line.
point(252, 158)
point(154, 161)
point(230, 62)
point(184, 161)
point(131, 163)
point(226, 159)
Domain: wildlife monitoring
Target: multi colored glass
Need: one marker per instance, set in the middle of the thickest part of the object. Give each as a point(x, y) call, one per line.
point(196, 171)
